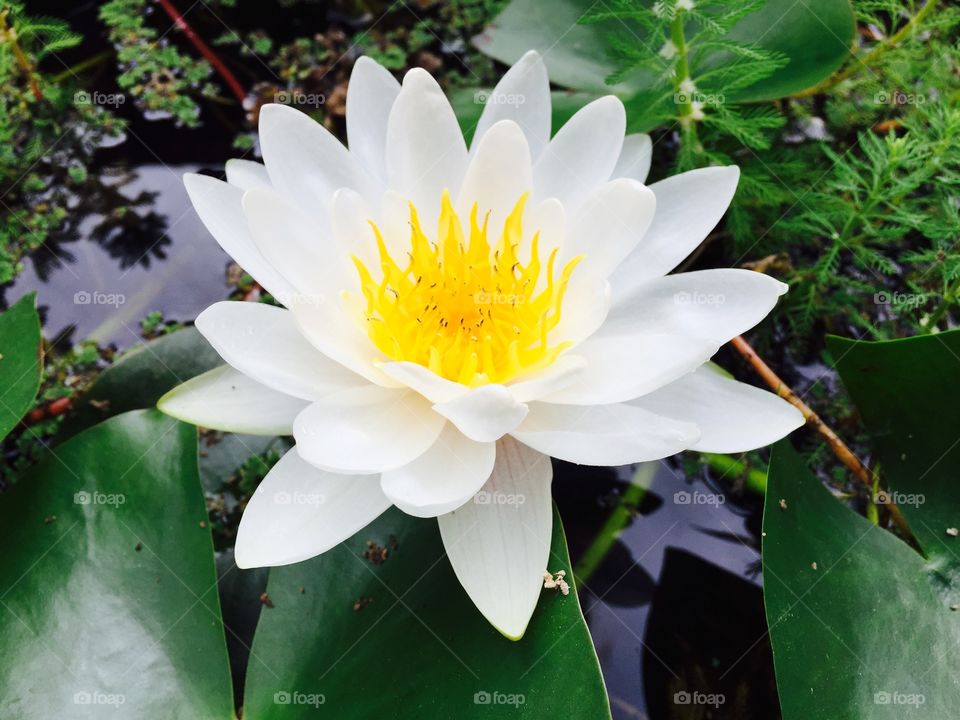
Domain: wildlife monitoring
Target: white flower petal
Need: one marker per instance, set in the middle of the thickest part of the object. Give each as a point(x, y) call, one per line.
point(635, 158)
point(227, 400)
point(291, 243)
point(498, 174)
point(298, 512)
point(499, 549)
point(689, 206)
point(732, 416)
point(549, 219)
point(484, 414)
point(247, 174)
point(426, 382)
point(350, 216)
point(307, 163)
point(219, 206)
point(622, 367)
point(715, 304)
point(522, 95)
point(331, 329)
point(608, 226)
point(585, 308)
point(368, 436)
point(443, 478)
point(426, 153)
point(563, 372)
point(263, 342)
point(603, 434)
point(370, 95)
point(582, 154)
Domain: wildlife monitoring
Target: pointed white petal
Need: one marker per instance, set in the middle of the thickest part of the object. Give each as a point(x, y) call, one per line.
point(426, 382)
point(370, 95)
point(522, 95)
point(499, 545)
point(549, 219)
point(332, 329)
point(381, 432)
point(499, 173)
point(635, 158)
point(608, 226)
point(582, 154)
point(350, 217)
point(603, 434)
point(426, 153)
point(219, 206)
point(714, 304)
point(263, 342)
point(246, 174)
point(689, 206)
point(446, 476)
point(307, 163)
point(227, 400)
point(624, 366)
point(484, 414)
point(291, 242)
point(732, 416)
point(298, 512)
point(564, 371)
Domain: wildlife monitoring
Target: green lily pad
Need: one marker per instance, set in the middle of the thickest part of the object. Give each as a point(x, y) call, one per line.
point(350, 638)
point(108, 594)
point(861, 625)
point(141, 376)
point(20, 361)
point(910, 403)
point(815, 35)
point(871, 630)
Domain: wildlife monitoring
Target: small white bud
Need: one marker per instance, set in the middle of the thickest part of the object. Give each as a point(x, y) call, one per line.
point(684, 4)
point(669, 50)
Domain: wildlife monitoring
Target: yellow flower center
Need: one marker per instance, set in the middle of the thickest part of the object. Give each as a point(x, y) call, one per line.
point(470, 311)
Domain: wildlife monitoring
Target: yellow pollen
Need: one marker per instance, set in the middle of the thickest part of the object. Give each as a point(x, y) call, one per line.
point(471, 312)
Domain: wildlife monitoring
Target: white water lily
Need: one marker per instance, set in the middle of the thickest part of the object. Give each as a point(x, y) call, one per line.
point(456, 315)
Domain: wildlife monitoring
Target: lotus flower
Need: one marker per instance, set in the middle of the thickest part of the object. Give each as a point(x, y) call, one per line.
point(455, 315)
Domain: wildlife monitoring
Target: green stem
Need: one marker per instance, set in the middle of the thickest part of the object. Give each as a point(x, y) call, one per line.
point(682, 73)
point(754, 479)
point(613, 527)
point(81, 66)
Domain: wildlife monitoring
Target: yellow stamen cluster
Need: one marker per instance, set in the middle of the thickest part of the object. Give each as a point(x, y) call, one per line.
point(471, 312)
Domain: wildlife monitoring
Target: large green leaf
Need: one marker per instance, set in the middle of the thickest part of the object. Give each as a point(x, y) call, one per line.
point(20, 362)
point(909, 401)
point(862, 627)
point(141, 376)
point(824, 622)
point(815, 35)
point(402, 640)
point(108, 594)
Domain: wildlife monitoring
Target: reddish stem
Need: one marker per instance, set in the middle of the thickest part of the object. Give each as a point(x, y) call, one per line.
point(222, 70)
